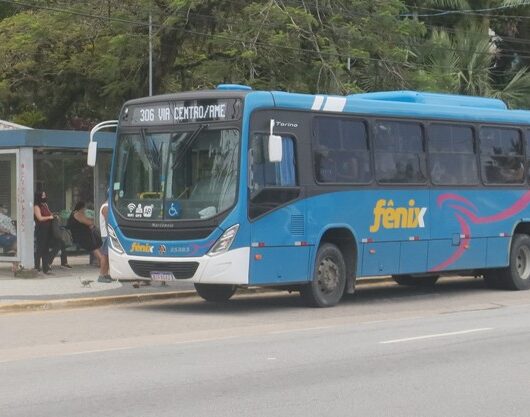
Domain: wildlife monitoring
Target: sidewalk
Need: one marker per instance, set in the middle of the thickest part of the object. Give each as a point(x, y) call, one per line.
point(78, 287)
point(72, 284)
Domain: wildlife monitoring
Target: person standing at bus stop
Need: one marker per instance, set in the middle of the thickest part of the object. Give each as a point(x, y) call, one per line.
point(8, 236)
point(84, 234)
point(103, 215)
point(43, 231)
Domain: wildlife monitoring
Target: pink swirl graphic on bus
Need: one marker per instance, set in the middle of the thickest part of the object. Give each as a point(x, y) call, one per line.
point(517, 207)
point(442, 198)
point(471, 215)
point(197, 247)
point(464, 244)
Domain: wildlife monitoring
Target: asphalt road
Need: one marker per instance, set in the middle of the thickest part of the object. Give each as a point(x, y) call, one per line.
point(456, 350)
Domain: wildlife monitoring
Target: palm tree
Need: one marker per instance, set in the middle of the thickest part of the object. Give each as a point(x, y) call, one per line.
point(464, 63)
point(462, 10)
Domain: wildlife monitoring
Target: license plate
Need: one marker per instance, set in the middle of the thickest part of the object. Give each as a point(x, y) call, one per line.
point(162, 276)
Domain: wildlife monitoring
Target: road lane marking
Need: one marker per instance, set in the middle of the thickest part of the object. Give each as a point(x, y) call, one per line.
point(70, 350)
point(84, 352)
point(304, 329)
point(431, 336)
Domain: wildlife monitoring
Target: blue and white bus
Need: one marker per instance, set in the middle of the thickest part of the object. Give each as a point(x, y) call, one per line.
point(234, 187)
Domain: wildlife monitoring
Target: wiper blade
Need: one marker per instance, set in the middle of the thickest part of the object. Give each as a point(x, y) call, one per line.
point(186, 144)
point(151, 152)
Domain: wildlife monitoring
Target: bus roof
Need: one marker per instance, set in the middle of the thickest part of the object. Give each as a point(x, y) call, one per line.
point(435, 98)
point(409, 104)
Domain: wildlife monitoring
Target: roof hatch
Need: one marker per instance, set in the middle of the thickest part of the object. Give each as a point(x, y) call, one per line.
point(236, 87)
point(434, 98)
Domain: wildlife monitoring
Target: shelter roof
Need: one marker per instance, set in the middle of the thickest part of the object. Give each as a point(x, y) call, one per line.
point(55, 139)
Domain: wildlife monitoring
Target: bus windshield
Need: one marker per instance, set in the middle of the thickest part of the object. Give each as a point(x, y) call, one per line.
point(180, 175)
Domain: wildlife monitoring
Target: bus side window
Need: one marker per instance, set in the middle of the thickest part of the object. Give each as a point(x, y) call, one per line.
point(271, 184)
point(452, 155)
point(340, 151)
point(271, 174)
point(501, 155)
point(399, 152)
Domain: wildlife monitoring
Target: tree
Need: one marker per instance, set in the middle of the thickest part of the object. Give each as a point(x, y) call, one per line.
point(52, 77)
point(325, 46)
point(65, 63)
point(464, 64)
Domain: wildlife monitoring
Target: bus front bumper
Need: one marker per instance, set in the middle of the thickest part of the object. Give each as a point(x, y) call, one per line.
point(231, 267)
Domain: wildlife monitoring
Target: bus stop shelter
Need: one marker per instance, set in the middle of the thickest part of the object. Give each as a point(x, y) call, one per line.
point(47, 160)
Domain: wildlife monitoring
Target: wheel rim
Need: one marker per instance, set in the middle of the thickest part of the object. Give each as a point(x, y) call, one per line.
point(328, 275)
point(522, 262)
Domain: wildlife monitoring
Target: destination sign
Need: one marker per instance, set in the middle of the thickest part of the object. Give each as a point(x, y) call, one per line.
point(189, 111)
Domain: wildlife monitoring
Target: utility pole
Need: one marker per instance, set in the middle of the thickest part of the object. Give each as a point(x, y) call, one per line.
point(150, 54)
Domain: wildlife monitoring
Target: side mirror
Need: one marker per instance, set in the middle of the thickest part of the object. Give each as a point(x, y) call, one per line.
point(275, 148)
point(93, 145)
point(275, 145)
point(92, 153)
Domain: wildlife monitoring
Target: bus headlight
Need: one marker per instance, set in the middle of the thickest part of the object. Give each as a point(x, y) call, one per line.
point(116, 245)
point(225, 241)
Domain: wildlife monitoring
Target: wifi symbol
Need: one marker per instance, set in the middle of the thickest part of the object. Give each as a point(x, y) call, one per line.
point(131, 207)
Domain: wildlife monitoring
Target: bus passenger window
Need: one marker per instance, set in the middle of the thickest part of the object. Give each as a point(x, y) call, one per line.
point(340, 151)
point(501, 156)
point(452, 159)
point(399, 154)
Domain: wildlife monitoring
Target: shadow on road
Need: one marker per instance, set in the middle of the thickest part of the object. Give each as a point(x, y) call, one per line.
point(366, 294)
point(444, 287)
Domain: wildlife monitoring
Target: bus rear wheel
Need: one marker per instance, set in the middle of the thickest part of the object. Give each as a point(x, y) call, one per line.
point(416, 280)
point(517, 275)
point(216, 293)
point(329, 278)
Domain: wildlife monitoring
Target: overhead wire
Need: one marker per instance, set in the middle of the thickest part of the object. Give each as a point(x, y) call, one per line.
point(232, 39)
point(349, 13)
point(473, 12)
point(313, 5)
point(291, 2)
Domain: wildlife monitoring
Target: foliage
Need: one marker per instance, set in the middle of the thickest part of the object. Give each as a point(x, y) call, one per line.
point(66, 63)
point(67, 66)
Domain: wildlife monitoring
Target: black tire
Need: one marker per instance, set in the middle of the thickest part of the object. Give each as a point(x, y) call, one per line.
point(516, 276)
point(329, 278)
point(216, 293)
point(416, 280)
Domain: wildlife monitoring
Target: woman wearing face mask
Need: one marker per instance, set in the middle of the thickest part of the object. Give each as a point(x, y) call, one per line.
point(43, 231)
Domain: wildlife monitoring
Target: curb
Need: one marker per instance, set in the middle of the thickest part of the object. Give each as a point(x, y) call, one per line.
point(45, 305)
point(90, 301)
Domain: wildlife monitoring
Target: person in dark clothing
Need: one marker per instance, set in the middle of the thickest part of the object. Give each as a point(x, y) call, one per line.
point(48, 246)
point(83, 233)
point(43, 231)
point(59, 245)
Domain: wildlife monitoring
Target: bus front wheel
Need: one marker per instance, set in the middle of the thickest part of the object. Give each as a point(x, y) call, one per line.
point(216, 293)
point(329, 278)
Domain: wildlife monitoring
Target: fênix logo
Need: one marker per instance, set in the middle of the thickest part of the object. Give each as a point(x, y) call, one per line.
point(142, 247)
point(390, 217)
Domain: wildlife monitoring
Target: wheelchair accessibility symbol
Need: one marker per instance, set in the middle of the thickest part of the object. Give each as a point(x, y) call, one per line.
point(174, 210)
